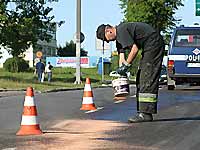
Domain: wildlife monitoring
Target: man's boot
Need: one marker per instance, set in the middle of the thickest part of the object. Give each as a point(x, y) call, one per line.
point(141, 117)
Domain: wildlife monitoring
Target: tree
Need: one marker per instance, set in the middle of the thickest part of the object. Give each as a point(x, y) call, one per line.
point(69, 50)
point(158, 13)
point(25, 24)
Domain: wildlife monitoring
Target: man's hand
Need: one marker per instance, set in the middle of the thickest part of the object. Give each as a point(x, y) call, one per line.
point(123, 69)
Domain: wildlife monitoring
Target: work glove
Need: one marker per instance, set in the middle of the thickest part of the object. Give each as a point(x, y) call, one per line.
point(123, 69)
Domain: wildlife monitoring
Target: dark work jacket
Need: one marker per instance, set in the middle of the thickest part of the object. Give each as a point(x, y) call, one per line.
point(40, 67)
point(141, 34)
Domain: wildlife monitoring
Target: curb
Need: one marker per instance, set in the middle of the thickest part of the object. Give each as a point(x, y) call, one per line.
point(60, 89)
point(67, 89)
point(53, 90)
point(9, 90)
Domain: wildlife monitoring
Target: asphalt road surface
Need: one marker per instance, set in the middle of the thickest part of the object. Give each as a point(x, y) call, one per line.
point(175, 127)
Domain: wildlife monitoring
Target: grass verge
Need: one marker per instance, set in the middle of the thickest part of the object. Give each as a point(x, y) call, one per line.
point(62, 78)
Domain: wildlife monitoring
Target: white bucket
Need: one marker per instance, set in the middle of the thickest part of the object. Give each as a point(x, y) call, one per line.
point(120, 87)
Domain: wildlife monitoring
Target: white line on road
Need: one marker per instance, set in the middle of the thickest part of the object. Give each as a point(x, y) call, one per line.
point(91, 111)
point(10, 148)
point(119, 101)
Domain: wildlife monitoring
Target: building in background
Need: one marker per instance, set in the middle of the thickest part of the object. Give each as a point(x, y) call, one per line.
point(3, 56)
point(47, 48)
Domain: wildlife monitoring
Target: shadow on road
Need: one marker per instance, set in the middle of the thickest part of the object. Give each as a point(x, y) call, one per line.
point(67, 132)
point(179, 119)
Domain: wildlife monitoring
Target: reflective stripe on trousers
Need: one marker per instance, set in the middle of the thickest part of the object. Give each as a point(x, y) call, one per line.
point(147, 97)
point(147, 103)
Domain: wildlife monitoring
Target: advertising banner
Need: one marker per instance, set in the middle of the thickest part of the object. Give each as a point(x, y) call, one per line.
point(70, 62)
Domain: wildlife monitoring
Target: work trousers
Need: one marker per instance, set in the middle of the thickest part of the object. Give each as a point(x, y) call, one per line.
point(147, 80)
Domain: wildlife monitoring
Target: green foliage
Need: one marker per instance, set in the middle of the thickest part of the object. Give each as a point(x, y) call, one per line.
point(16, 64)
point(158, 13)
point(63, 78)
point(114, 62)
point(24, 24)
point(69, 50)
point(134, 66)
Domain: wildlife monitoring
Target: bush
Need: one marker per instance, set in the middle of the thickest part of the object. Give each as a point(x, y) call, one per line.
point(16, 64)
point(114, 62)
point(134, 66)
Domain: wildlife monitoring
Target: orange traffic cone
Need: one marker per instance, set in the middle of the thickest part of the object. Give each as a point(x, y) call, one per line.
point(87, 103)
point(29, 122)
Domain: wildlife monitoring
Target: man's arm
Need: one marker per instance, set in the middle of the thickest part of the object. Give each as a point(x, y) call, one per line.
point(121, 58)
point(132, 54)
point(123, 69)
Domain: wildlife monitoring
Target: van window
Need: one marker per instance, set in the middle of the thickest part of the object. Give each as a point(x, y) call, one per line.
point(187, 37)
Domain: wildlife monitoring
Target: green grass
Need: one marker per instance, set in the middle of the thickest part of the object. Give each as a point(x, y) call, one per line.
point(62, 78)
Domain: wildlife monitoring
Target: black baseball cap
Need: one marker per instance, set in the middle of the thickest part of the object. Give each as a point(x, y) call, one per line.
point(100, 33)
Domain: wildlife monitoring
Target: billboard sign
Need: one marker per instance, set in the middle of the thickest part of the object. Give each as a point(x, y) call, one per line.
point(197, 7)
point(71, 62)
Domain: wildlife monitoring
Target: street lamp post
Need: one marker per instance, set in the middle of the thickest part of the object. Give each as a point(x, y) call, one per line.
point(78, 42)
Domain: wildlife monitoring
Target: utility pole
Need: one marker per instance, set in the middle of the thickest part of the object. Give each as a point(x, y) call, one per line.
point(78, 43)
point(102, 63)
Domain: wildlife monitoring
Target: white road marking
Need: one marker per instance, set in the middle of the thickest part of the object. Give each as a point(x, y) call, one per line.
point(10, 148)
point(91, 111)
point(119, 101)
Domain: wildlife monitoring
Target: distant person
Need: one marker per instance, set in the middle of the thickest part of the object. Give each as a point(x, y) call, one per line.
point(48, 70)
point(40, 67)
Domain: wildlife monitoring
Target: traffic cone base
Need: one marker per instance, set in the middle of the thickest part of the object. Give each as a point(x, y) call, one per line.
point(29, 130)
point(88, 107)
point(87, 103)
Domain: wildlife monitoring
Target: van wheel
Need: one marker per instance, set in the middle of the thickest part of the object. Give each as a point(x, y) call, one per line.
point(171, 87)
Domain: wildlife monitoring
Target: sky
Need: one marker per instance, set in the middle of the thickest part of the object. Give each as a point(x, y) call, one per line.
point(187, 13)
point(96, 12)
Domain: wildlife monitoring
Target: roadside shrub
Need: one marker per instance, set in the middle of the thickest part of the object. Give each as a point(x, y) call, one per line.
point(114, 62)
point(16, 64)
point(134, 66)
